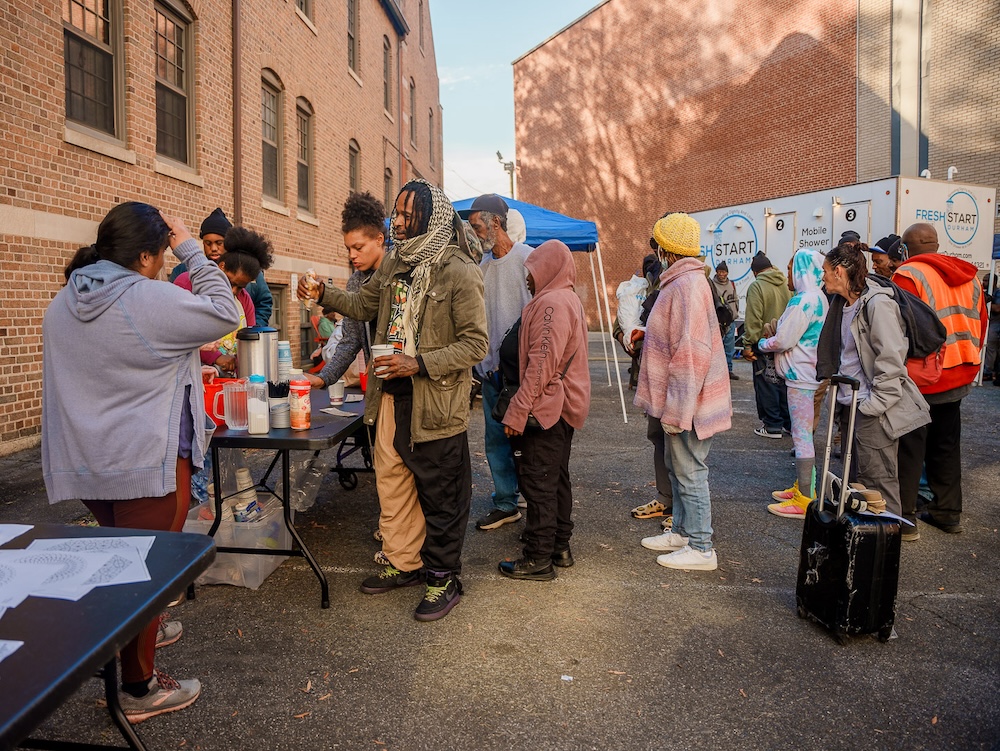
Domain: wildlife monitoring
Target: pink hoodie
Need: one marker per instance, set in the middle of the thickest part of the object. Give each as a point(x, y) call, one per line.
point(553, 329)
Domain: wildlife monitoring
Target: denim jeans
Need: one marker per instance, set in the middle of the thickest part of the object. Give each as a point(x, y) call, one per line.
point(686, 456)
point(498, 452)
point(729, 345)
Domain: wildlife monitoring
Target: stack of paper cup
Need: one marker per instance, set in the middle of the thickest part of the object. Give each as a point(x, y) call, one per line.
point(280, 414)
point(284, 361)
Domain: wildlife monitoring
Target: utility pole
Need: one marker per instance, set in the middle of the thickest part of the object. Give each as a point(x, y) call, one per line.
point(509, 168)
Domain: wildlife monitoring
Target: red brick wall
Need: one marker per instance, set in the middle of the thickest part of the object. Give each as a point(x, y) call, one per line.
point(643, 107)
point(55, 192)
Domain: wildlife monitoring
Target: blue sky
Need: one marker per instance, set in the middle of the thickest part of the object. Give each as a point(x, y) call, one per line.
point(475, 43)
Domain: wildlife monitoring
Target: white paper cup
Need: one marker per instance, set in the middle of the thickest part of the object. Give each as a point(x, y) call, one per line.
point(337, 393)
point(382, 350)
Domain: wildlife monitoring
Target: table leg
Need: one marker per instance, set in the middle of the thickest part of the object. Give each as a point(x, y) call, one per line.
point(110, 675)
point(286, 496)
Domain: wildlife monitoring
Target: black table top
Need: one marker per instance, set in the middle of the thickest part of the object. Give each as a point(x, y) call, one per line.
point(66, 643)
point(325, 431)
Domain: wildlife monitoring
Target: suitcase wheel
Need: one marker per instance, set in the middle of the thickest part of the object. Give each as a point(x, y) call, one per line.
point(802, 612)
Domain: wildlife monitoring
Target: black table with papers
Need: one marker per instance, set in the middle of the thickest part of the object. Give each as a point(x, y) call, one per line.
point(50, 643)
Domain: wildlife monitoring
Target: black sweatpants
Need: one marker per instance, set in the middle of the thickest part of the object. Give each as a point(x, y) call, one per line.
point(442, 472)
point(938, 448)
point(541, 458)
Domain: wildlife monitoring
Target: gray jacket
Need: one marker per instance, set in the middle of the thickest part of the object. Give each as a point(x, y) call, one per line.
point(120, 351)
point(878, 331)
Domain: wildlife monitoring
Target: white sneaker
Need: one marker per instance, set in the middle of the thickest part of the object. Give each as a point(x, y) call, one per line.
point(165, 695)
point(666, 541)
point(688, 558)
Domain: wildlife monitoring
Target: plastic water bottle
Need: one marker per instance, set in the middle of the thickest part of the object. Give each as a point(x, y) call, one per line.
point(258, 411)
point(298, 400)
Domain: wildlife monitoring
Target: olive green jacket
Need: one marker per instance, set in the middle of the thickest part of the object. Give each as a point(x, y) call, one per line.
point(453, 339)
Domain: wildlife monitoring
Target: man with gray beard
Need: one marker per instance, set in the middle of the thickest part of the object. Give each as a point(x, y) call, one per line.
point(506, 294)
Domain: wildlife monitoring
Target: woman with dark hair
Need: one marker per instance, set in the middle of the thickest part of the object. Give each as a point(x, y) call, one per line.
point(247, 253)
point(120, 361)
point(863, 338)
point(363, 225)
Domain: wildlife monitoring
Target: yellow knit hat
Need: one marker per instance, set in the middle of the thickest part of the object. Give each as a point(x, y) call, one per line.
point(679, 234)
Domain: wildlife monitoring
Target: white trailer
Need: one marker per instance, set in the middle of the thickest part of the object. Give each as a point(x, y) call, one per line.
point(962, 214)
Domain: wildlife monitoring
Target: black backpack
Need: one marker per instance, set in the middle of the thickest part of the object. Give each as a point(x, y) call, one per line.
point(924, 331)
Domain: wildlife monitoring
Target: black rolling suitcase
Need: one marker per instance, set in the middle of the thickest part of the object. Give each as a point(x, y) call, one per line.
point(849, 561)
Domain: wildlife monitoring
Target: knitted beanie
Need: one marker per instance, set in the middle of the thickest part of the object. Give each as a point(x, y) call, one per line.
point(679, 234)
point(888, 245)
point(760, 263)
point(722, 266)
point(216, 224)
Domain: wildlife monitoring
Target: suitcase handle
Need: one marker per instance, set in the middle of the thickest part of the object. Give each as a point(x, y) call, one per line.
point(855, 385)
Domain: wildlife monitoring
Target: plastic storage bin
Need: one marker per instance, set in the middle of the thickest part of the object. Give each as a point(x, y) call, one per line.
point(240, 569)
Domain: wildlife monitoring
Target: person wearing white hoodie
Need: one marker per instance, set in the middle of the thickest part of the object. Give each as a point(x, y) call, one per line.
point(793, 342)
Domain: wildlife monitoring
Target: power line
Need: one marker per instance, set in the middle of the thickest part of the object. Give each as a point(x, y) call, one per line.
point(472, 187)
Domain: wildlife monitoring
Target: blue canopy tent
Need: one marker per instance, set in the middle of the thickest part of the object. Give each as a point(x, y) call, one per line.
point(579, 235)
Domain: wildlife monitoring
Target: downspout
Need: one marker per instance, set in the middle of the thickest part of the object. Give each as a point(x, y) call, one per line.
point(237, 117)
point(399, 111)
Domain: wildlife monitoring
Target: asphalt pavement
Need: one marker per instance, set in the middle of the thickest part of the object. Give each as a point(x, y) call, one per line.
point(616, 653)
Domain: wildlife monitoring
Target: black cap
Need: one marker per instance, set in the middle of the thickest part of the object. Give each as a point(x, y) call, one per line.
point(850, 236)
point(490, 202)
point(721, 266)
point(888, 245)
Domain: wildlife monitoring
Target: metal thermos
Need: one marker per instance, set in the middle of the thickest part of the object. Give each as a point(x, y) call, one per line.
point(257, 352)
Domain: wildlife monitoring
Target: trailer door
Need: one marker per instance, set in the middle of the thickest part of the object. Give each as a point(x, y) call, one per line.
point(780, 238)
point(853, 216)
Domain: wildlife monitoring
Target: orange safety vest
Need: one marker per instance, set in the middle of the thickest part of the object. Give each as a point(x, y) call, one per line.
point(952, 305)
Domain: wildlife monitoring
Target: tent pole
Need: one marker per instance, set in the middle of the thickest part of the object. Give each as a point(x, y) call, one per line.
point(600, 315)
point(614, 352)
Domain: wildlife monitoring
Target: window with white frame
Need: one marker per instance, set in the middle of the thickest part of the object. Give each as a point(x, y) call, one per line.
point(91, 54)
point(173, 77)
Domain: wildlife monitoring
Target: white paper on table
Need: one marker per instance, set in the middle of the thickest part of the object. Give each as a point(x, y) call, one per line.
point(127, 567)
point(8, 648)
point(75, 576)
point(348, 398)
point(9, 531)
point(337, 412)
point(17, 581)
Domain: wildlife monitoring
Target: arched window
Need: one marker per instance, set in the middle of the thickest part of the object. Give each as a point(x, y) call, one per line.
point(304, 153)
point(354, 166)
point(271, 108)
point(390, 193)
point(413, 112)
point(387, 74)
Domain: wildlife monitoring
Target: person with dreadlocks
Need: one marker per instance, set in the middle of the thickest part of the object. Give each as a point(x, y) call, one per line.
point(428, 298)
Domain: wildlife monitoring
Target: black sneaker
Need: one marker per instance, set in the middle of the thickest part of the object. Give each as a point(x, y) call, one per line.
point(443, 593)
point(388, 579)
point(497, 518)
point(528, 569)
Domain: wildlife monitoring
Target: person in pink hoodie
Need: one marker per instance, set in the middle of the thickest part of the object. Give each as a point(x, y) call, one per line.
point(684, 383)
point(552, 400)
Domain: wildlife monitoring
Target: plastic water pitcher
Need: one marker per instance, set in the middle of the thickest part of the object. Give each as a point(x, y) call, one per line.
point(234, 398)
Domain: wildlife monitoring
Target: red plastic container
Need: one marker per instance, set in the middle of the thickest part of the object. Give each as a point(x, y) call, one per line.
point(211, 389)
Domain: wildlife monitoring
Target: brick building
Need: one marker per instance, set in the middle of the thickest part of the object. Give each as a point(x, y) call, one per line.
point(113, 100)
point(640, 107)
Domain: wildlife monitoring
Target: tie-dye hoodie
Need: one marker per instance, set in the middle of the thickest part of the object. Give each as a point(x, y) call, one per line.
point(797, 336)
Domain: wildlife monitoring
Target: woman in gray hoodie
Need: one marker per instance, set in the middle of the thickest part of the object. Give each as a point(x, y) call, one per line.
point(123, 411)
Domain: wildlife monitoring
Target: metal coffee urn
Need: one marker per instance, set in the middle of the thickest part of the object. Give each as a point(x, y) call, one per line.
point(257, 352)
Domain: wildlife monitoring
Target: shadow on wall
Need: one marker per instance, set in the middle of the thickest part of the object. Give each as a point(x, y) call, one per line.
point(618, 120)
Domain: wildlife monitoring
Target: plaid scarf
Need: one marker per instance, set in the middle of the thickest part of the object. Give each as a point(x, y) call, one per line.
point(424, 252)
